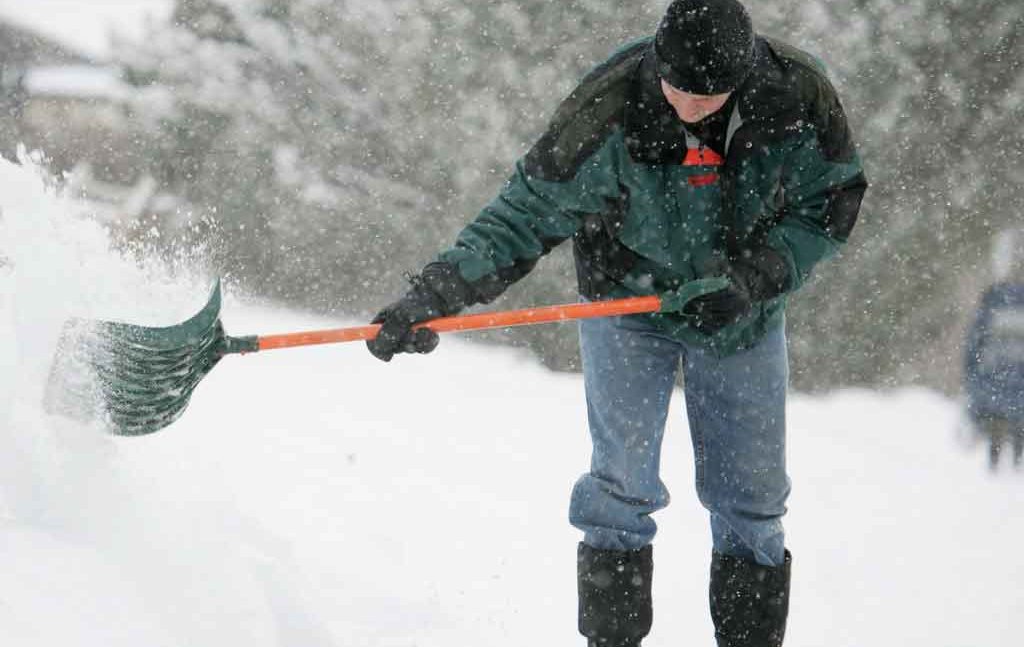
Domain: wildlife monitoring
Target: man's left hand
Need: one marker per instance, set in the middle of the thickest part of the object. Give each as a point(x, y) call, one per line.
point(755, 276)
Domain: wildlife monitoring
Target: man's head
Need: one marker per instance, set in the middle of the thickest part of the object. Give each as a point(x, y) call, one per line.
point(1008, 255)
point(703, 49)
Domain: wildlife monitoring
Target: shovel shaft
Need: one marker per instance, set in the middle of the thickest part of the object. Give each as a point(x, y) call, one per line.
point(482, 321)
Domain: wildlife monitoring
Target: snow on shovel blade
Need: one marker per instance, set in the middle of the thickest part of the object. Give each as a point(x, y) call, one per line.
point(135, 379)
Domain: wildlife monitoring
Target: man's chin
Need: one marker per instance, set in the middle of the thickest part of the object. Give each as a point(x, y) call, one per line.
point(692, 118)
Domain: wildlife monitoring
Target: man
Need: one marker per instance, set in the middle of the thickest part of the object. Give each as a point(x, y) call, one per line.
point(704, 151)
point(994, 354)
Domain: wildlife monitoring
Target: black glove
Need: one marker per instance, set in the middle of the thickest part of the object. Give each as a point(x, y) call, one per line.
point(438, 291)
point(754, 275)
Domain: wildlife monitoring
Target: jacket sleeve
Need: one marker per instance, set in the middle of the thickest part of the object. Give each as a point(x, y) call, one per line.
point(571, 171)
point(823, 185)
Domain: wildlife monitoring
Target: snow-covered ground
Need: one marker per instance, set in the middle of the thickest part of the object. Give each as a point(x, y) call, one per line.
point(318, 497)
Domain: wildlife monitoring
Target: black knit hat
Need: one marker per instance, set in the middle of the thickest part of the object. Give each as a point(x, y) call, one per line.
point(705, 46)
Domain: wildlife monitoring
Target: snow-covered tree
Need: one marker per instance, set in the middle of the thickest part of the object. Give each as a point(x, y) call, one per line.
point(340, 144)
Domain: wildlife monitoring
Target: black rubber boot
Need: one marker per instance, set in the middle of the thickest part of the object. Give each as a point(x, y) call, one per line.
point(749, 602)
point(615, 595)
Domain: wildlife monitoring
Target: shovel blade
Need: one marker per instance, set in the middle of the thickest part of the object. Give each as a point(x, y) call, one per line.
point(134, 379)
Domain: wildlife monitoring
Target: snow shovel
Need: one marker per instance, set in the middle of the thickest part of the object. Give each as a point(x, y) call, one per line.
point(139, 379)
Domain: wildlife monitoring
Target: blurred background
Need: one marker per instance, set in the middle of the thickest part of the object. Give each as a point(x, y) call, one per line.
point(313, 151)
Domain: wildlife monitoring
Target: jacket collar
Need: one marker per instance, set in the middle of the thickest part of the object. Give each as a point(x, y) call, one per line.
point(655, 135)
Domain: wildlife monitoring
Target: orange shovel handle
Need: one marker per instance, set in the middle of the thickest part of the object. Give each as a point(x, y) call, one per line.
point(482, 321)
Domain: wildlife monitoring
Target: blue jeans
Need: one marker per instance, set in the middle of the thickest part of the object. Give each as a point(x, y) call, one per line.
point(736, 409)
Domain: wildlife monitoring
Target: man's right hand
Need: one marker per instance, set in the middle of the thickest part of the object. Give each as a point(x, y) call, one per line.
point(438, 292)
point(397, 320)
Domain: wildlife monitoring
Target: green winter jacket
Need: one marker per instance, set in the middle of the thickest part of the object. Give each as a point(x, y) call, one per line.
point(649, 209)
